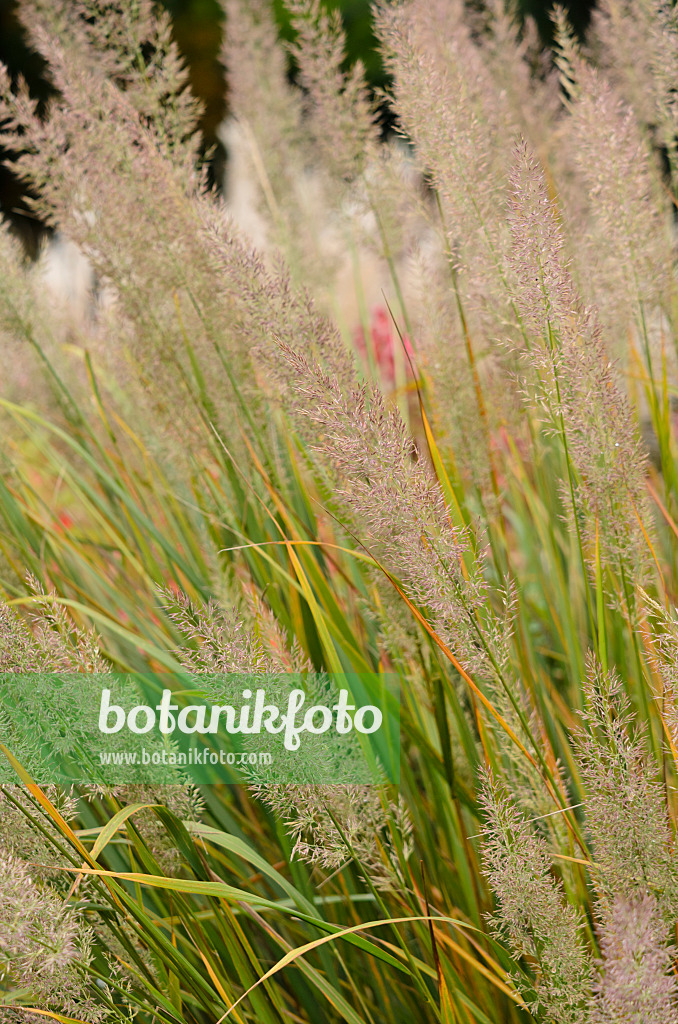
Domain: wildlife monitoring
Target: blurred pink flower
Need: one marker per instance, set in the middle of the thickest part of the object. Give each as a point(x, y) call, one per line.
point(65, 521)
point(383, 338)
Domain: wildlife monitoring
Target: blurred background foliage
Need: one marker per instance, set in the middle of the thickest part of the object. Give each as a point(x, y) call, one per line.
point(198, 29)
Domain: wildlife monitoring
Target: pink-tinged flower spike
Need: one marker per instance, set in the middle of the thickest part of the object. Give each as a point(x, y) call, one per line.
point(637, 983)
point(112, 37)
point(628, 239)
point(343, 119)
point(532, 912)
point(626, 822)
point(43, 944)
point(394, 504)
point(461, 124)
point(636, 43)
point(572, 383)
